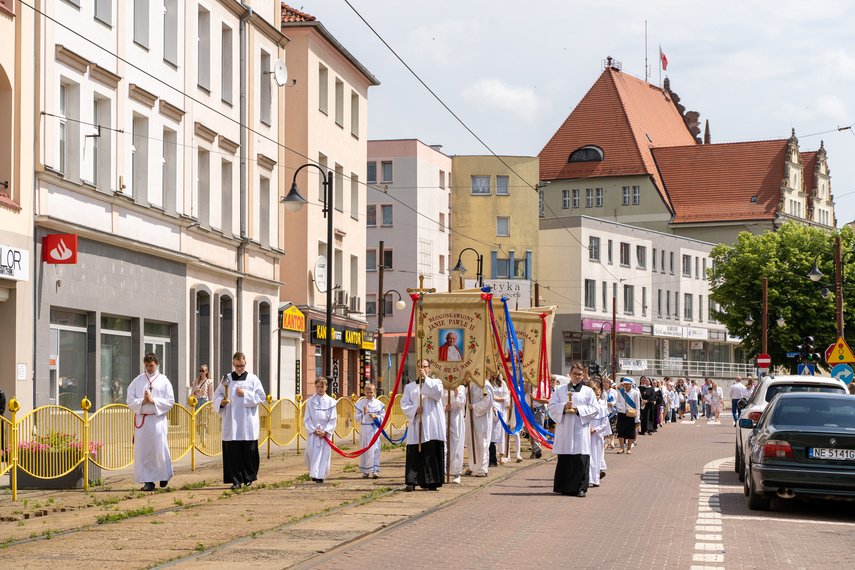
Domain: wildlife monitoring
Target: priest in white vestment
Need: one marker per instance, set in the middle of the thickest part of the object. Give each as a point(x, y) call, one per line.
point(426, 417)
point(572, 432)
point(239, 423)
point(454, 402)
point(369, 410)
point(319, 417)
point(150, 397)
point(479, 412)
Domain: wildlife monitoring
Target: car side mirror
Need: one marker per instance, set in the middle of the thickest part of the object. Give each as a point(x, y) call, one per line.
point(746, 423)
point(741, 403)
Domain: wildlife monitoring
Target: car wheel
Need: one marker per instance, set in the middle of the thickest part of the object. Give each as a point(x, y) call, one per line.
point(756, 502)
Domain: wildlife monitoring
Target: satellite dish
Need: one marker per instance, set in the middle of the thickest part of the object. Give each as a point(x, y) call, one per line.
point(280, 72)
point(321, 273)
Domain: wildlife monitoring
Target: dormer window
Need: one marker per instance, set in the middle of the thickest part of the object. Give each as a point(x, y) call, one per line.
point(589, 153)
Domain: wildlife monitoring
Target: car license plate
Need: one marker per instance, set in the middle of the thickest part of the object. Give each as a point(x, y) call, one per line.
point(825, 453)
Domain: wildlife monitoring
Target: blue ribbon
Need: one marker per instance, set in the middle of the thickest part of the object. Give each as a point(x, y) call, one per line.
point(392, 441)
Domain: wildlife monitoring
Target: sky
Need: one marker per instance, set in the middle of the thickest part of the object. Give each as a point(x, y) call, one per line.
point(513, 71)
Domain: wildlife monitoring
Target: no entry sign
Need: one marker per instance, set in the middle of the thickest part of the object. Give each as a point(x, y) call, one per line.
point(764, 360)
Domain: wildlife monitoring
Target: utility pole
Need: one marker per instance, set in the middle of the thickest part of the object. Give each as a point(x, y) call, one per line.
point(765, 342)
point(381, 308)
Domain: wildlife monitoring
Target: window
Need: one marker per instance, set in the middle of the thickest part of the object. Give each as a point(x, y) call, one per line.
point(441, 264)
point(203, 328)
point(339, 102)
point(371, 216)
point(589, 197)
point(659, 303)
point(593, 248)
point(354, 276)
point(386, 171)
point(354, 196)
point(687, 306)
point(170, 32)
point(354, 114)
point(588, 153)
point(100, 143)
point(662, 267)
point(116, 360)
point(139, 156)
point(677, 305)
point(372, 172)
point(629, 299)
point(611, 258)
point(672, 263)
point(262, 333)
point(565, 199)
point(388, 258)
point(264, 211)
point(636, 195)
point(104, 11)
point(503, 226)
point(226, 65)
point(441, 222)
point(599, 197)
point(519, 268)
point(226, 170)
point(624, 254)
point(338, 188)
point(625, 201)
point(265, 88)
point(169, 173)
point(697, 268)
point(590, 294)
point(503, 187)
point(502, 268)
point(388, 305)
point(711, 308)
point(641, 256)
point(614, 295)
point(322, 162)
point(481, 185)
point(687, 266)
point(576, 198)
point(203, 187)
point(63, 128)
point(653, 259)
point(667, 304)
point(370, 305)
point(605, 289)
point(371, 260)
point(204, 46)
point(141, 14)
point(704, 268)
point(387, 214)
point(323, 87)
point(700, 308)
point(442, 179)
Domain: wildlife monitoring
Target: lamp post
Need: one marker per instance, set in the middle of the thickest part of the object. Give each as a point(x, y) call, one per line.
point(400, 305)
point(765, 312)
point(815, 275)
point(461, 270)
point(294, 202)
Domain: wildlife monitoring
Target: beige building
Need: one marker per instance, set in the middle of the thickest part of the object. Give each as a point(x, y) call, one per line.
point(326, 117)
point(172, 203)
point(495, 212)
point(17, 258)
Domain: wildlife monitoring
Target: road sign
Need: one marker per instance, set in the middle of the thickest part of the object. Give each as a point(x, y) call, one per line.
point(806, 370)
point(842, 372)
point(792, 354)
point(839, 353)
point(764, 360)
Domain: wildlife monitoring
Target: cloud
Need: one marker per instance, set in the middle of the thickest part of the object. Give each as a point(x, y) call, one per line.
point(497, 94)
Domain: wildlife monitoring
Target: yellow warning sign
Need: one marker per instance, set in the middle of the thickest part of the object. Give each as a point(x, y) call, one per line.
point(840, 353)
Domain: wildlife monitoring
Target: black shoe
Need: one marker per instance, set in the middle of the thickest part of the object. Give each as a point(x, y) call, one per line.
point(409, 488)
point(602, 474)
point(537, 455)
point(248, 484)
point(319, 480)
point(148, 487)
point(235, 487)
point(163, 484)
point(582, 494)
point(533, 456)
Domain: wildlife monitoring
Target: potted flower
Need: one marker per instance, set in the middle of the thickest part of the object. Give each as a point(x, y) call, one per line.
point(53, 461)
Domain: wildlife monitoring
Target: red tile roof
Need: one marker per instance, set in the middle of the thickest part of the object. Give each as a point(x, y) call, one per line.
point(6, 200)
point(626, 117)
point(289, 14)
point(717, 181)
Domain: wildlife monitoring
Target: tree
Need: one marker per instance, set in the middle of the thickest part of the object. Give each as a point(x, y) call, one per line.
point(785, 257)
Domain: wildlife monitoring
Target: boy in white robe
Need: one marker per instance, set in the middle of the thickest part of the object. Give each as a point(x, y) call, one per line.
point(150, 397)
point(367, 410)
point(600, 428)
point(240, 424)
point(455, 407)
point(479, 417)
point(572, 434)
point(319, 417)
point(501, 395)
point(422, 406)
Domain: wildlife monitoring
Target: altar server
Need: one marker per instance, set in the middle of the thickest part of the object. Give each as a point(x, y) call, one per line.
point(320, 418)
point(424, 467)
point(479, 412)
point(150, 397)
point(572, 432)
point(239, 412)
point(599, 428)
point(367, 411)
point(454, 402)
point(501, 395)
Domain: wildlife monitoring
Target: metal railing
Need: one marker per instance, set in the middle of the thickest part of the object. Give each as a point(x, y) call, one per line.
point(686, 368)
point(52, 441)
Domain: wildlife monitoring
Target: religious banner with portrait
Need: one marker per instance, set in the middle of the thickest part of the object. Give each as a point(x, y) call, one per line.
point(458, 339)
point(533, 328)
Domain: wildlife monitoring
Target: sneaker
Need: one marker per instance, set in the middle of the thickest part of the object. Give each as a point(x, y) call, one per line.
point(456, 479)
point(365, 475)
point(375, 475)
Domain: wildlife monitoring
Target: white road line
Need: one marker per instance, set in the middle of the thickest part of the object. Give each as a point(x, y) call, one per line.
point(709, 547)
point(800, 521)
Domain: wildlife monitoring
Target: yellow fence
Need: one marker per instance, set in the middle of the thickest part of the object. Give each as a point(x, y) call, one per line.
point(51, 441)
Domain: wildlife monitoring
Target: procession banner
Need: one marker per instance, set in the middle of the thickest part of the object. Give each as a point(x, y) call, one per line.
point(458, 341)
point(529, 327)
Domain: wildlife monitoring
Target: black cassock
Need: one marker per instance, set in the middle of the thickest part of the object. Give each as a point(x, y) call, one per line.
point(648, 412)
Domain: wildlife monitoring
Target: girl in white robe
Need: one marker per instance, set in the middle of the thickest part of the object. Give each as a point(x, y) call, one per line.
point(479, 416)
point(367, 410)
point(455, 409)
point(600, 428)
point(319, 418)
point(500, 402)
point(152, 461)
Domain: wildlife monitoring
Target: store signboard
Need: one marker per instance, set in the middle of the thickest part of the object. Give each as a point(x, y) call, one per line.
point(14, 263)
point(674, 331)
point(623, 327)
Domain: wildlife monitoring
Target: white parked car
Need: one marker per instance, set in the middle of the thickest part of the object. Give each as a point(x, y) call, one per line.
point(764, 391)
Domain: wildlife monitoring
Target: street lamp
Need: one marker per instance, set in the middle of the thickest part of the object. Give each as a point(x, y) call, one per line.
point(461, 270)
point(749, 320)
point(815, 275)
point(400, 305)
point(294, 202)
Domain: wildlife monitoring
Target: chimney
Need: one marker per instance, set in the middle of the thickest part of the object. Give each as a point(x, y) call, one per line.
point(707, 132)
